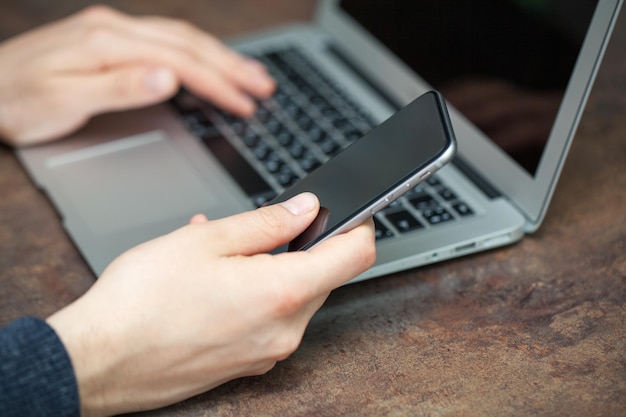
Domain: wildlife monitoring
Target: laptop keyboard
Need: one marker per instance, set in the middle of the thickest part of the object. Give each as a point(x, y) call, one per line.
point(306, 122)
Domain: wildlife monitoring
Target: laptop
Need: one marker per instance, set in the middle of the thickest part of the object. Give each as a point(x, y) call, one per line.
point(515, 74)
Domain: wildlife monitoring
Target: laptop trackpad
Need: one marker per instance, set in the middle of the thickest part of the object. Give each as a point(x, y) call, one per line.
point(130, 182)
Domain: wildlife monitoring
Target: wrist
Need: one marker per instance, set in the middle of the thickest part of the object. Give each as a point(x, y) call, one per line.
point(93, 358)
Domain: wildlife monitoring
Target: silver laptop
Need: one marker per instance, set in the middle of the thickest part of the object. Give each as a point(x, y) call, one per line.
point(516, 76)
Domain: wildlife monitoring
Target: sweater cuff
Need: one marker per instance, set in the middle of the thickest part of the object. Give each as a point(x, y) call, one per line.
point(36, 373)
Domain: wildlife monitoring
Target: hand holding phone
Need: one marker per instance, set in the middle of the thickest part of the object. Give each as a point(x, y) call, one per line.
point(375, 170)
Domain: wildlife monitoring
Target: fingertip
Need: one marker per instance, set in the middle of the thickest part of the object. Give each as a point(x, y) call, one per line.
point(160, 81)
point(237, 103)
point(198, 218)
point(261, 83)
point(301, 203)
point(245, 106)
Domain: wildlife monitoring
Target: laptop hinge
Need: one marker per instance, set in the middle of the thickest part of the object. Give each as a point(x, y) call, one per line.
point(481, 182)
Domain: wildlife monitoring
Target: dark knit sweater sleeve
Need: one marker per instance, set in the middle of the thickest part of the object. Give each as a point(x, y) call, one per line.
point(36, 374)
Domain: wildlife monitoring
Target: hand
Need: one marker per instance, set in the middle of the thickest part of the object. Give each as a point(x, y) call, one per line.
point(188, 311)
point(56, 77)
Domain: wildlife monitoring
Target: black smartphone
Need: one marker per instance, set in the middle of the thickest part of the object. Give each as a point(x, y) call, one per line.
point(369, 174)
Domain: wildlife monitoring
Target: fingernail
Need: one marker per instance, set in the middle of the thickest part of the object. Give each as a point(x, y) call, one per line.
point(300, 204)
point(258, 73)
point(159, 80)
point(246, 106)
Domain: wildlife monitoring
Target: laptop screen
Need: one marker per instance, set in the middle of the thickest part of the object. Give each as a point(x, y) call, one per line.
point(504, 64)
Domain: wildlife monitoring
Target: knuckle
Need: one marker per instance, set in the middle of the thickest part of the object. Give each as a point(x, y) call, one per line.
point(368, 257)
point(365, 253)
point(97, 12)
point(126, 86)
point(98, 23)
point(181, 26)
point(11, 126)
point(263, 367)
point(97, 35)
point(285, 346)
point(286, 302)
point(270, 222)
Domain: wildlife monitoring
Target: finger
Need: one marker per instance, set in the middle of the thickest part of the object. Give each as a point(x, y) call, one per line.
point(108, 50)
point(249, 74)
point(266, 228)
point(63, 97)
point(178, 38)
point(306, 276)
point(301, 281)
point(187, 38)
point(119, 88)
point(341, 258)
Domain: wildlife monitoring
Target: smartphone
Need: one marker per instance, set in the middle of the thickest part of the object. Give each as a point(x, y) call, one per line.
point(376, 169)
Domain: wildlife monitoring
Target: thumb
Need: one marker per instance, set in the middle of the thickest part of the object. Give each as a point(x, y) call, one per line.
point(266, 228)
point(122, 88)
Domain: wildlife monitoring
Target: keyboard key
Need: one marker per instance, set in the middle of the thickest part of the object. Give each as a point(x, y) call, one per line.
point(381, 230)
point(447, 194)
point(304, 121)
point(251, 138)
point(393, 207)
point(292, 110)
point(332, 115)
point(262, 151)
point(433, 181)
point(462, 208)
point(281, 97)
point(263, 113)
point(423, 201)
point(309, 163)
point(273, 125)
point(404, 221)
point(184, 101)
point(203, 131)
point(286, 176)
point(330, 147)
point(195, 117)
point(343, 125)
point(239, 127)
point(285, 138)
point(436, 215)
point(273, 165)
point(353, 135)
point(418, 189)
point(316, 134)
point(321, 104)
point(296, 150)
point(260, 199)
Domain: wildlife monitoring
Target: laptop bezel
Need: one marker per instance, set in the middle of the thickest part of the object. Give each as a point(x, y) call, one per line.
point(531, 194)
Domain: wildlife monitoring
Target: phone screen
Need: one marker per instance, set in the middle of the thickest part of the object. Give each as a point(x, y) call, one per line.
point(389, 155)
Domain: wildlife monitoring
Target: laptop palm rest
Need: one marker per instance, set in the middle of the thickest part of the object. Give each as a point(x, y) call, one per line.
point(129, 183)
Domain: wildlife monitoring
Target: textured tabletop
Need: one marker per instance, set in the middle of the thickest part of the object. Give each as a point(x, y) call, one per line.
point(537, 328)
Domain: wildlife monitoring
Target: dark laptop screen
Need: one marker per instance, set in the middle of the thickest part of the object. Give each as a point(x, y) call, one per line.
point(503, 63)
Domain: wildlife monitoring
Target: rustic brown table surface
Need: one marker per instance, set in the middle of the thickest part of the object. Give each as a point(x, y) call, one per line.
point(537, 328)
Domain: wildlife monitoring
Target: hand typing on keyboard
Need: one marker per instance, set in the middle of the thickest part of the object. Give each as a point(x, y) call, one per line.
point(56, 77)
